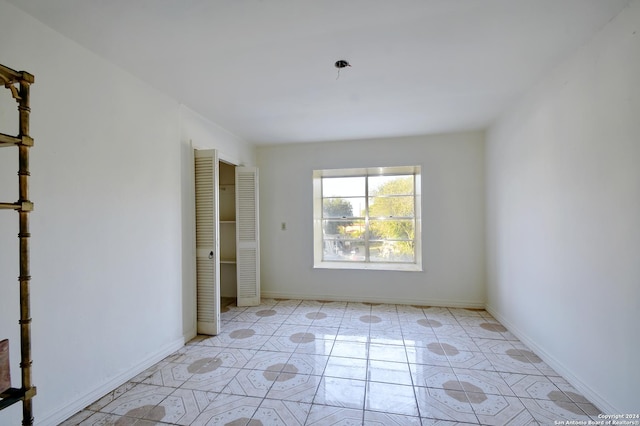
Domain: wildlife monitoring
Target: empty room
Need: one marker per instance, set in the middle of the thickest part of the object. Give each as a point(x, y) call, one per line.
point(296, 212)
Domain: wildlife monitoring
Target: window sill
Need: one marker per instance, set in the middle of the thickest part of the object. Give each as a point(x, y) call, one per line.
point(402, 267)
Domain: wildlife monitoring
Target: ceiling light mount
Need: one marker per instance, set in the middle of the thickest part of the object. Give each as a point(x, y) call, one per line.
point(340, 65)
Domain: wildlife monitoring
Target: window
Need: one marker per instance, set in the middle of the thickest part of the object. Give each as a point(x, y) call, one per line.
point(367, 218)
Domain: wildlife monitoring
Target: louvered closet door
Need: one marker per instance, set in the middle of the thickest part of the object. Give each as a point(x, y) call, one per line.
point(247, 236)
point(207, 243)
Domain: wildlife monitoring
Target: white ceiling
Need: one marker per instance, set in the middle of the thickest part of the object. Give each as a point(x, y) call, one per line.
point(264, 69)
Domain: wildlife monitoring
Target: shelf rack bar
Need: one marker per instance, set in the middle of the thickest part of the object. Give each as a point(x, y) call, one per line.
point(8, 140)
point(13, 395)
point(23, 206)
point(10, 78)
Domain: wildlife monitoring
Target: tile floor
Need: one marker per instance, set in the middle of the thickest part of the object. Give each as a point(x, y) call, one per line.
point(293, 362)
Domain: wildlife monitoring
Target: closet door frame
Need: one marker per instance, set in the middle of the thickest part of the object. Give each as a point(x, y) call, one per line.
point(247, 237)
point(208, 265)
point(207, 239)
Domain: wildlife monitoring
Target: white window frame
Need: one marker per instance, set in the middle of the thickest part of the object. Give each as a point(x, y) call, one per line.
point(320, 263)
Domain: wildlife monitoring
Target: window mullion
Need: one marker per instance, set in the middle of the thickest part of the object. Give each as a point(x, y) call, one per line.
point(366, 220)
point(321, 222)
point(415, 210)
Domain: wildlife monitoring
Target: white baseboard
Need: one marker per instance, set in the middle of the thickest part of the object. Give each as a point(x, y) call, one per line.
point(372, 299)
point(69, 410)
point(559, 367)
point(190, 335)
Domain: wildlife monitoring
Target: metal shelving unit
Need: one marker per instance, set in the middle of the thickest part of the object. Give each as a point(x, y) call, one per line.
point(18, 83)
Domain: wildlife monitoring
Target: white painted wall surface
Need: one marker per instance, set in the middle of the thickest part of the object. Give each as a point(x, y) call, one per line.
point(106, 231)
point(452, 227)
point(205, 134)
point(563, 209)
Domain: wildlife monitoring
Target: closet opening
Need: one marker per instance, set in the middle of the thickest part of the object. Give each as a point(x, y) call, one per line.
point(227, 238)
point(227, 226)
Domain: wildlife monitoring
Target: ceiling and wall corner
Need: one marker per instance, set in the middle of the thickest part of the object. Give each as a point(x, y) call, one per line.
point(265, 70)
point(106, 286)
point(452, 225)
point(563, 216)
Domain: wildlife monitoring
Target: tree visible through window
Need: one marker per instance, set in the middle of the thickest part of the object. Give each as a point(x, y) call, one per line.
point(367, 216)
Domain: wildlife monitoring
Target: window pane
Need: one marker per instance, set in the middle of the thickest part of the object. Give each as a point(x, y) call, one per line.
point(343, 250)
point(343, 207)
point(391, 229)
point(340, 229)
point(392, 251)
point(393, 206)
point(391, 185)
point(343, 187)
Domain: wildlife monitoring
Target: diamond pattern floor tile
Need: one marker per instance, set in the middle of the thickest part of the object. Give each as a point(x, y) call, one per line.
point(293, 362)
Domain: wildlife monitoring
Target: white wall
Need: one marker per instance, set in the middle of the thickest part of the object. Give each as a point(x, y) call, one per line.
point(452, 210)
point(106, 231)
point(205, 134)
point(563, 180)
